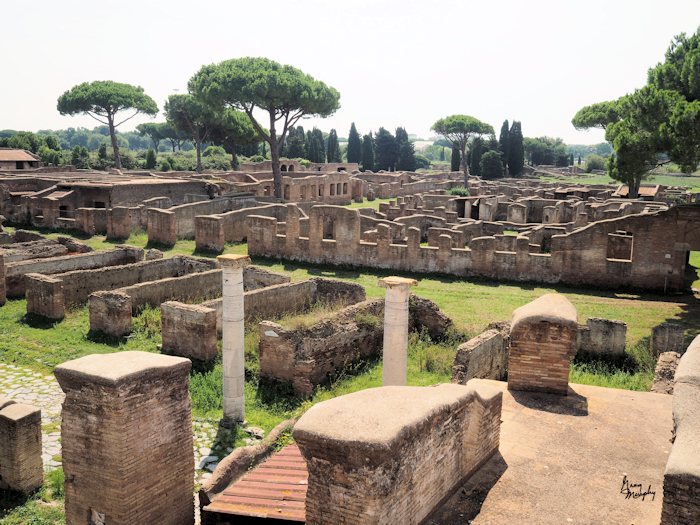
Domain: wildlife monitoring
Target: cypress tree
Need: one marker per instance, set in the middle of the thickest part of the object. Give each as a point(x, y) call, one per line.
point(504, 141)
point(516, 152)
point(333, 147)
point(368, 153)
point(354, 145)
point(442, 154)
point(406, 160)
point(476, 151)
point(579, 160)
point(455, 162)
point(150, 159)
point(571, 159)
point(386, 152)
point(320, 146)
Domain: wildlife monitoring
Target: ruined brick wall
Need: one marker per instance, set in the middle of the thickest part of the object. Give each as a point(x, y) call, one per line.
point(119, 221)
point(74, 288)
point(162, 226)
point(602, 336)
point(126, 433)
point(660, 242)
point(681, 505)
point(189, 330)
point(21, 466)
point(134, 193)
point(484, 357)
point(385, 473)
point(667, 337)
point(119, 255)
point(542, 336)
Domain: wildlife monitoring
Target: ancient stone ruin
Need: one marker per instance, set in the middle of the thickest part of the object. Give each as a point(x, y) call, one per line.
point(542, 336)
point(21, 467)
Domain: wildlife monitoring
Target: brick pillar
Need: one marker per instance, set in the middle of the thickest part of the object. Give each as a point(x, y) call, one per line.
point(233, 336)
point(126, 433)
point(395, 329)
point(542, 337)
point(21, 467)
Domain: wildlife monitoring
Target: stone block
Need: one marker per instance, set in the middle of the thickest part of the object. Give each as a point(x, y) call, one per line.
point(45, 296)
point(665, 372)
point(602, 336)
point(372, 455)
point(21, 466)
point(127, 439)
point(542, 336)
point(484, 357)
point(189, 330)
point(667, 337)
point(110, 312)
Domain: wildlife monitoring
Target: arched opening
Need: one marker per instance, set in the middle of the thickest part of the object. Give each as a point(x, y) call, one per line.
point(337, 190)
point(291, 168)
point(332, 190)
point(303, 192)
point(345, 188)
point(320, 190)
point(283, 168)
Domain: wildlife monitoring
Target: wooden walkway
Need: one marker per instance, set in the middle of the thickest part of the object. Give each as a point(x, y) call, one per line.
point(275, 489)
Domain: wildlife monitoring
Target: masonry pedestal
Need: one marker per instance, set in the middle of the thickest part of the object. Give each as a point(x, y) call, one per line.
point(233, 336)
point(395, 329)
point(126, 434)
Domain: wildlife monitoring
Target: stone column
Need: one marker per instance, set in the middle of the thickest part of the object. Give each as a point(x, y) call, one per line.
point(395, 329)
point(233, 335)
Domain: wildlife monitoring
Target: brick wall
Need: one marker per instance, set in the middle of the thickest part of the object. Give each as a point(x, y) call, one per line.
point(681, 505)
point(542, 336)
point(119, 255)
point(126, 436)
point(484, 357)
point(372, 455)
point(21, 466)
point(667, 337)
point(602, 336)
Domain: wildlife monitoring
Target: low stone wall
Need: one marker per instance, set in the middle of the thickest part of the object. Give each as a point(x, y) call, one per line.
point(111, 311)
point(372, 455)
point(117, 256)
point(306, 356)
point(484, 357)
point(21, 466)
point(51, 295)
point(212, 232)
point(542, 336)
point(681, 504)
point(192, 331)
point(602, 336)
point(126, 433)
point(667, 337)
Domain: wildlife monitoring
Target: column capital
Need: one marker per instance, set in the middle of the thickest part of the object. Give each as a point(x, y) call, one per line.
point(230, 260)
point(401, 283)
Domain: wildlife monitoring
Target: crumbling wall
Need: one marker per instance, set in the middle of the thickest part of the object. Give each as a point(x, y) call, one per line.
point(21, 466)
point(484, 357)
point(372, 455)
point(126, 437)
point(212, 232)
point(667, 337)
point(682, 477)
point(119, 255)
point(602, 336)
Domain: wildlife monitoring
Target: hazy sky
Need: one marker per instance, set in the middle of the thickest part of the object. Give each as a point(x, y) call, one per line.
point(395, 62)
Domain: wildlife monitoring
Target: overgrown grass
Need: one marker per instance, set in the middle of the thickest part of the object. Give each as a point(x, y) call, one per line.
point(42, 507)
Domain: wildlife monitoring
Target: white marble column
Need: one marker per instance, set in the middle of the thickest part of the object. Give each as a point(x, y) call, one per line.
point(395, 329)
point(233, 336)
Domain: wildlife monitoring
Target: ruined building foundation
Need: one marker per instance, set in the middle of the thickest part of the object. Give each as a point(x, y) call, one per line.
point(233, 336)
point(395, 329)
point(126, 434)
point(21, 467)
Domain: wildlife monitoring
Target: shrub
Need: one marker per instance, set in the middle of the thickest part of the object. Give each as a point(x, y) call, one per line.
point(491, 165)
point(217, 151)
point(366, 320)
point(257, 158)
point(594, 162)
point(304, 162)
point(165, 166)
point(150, 159)
point(459, 191)
point(421, 161)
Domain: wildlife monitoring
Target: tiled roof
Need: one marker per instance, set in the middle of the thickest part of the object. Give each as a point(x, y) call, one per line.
point(13, 155)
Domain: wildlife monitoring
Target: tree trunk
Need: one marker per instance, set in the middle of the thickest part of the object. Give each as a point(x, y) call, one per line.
point(234, 159)
point(115, 145)
point(198, 143)
point(465, 170)
point(275, 156)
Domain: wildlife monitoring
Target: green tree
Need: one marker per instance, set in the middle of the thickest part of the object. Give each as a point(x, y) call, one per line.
point(459, 129)
point(282, 91)
point(354, 145)
point(186, 113)
point(579, 160)
point(491, 165)
point(150, 159)
point(53, 143)
point(596, 116)
point(102, 152)
point(334, 148)
point(504, 141)
point(406, 160)
point(571, 159)
point(152, 131)
point(421, 162)
point(232, 128)
point(368, 152)
point(516, 152)
point(80, 158)
point(105, 99)
point(594, 162)
point(386, 153)
point(442, 154)
point(455, 162)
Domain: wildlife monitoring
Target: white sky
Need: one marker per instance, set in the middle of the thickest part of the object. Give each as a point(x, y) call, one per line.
point(395, 62)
